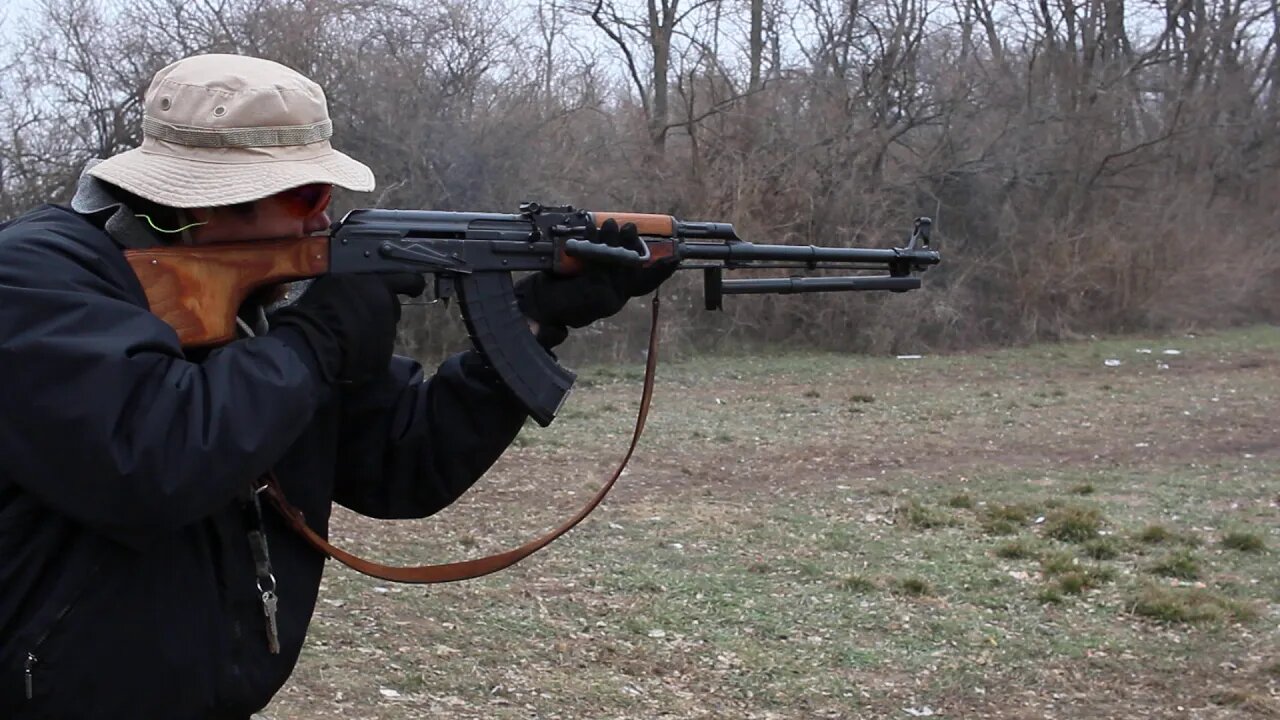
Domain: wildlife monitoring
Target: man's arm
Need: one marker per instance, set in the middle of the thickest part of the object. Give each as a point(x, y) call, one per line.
point(102, 418)
point(410, 446)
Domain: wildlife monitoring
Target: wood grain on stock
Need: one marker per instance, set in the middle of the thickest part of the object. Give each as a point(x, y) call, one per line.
point(654, 225)
point(198, 290)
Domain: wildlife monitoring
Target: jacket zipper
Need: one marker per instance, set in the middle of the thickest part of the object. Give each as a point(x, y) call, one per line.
point(32, 659)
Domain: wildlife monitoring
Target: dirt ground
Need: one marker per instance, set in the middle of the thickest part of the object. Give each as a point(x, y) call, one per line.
point(1085, 530)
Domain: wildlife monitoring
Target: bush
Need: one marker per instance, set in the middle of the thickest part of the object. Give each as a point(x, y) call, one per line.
point(1189, 605)
point(1073, 524)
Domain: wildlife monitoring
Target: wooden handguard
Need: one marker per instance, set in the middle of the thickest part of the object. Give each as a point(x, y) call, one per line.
point(197, 290)
point(657, 231)
point(651, 225)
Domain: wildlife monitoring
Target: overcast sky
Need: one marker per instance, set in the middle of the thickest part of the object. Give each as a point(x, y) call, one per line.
point(10, 12)
point(13, 7)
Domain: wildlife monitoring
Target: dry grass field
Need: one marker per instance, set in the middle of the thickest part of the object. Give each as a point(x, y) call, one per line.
point(1029, 533)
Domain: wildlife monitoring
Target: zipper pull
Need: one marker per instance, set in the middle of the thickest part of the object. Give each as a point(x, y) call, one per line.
point(31, 661)
point(269, 602)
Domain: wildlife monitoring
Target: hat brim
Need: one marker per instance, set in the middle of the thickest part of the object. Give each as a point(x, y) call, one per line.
point(182, 182)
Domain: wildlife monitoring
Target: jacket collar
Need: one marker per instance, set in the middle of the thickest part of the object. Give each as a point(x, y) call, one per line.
point(93, 200)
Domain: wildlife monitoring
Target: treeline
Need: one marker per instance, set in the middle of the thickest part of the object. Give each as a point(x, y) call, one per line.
point(1092, 165)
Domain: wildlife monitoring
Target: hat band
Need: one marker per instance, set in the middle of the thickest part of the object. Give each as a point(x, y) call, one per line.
point(254, 137)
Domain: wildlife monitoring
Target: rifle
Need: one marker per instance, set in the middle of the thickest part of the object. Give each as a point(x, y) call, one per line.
point(199, 289)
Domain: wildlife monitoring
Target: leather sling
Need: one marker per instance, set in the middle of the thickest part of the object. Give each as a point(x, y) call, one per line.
point(467, 569)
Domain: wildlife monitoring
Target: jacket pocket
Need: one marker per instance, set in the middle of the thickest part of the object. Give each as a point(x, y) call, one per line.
point(31, 663)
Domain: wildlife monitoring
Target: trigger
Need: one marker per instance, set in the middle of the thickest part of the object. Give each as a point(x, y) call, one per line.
point(444, 289)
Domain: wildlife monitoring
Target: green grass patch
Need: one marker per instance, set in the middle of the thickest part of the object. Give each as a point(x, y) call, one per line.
point(1058, 562)
point(857, 584)
point(1181, 564)
point(999, 526)
point(1102, 548)
point(1020, 549)
point(1005, 518)
point(1051, 594)
point(1158, 534)
point(1074, 524)
point(1243, 541)
point(1069, 576)
point(1076, 582)
point(1189, 605)
point(1230, 697)
point(914, 587)
point(1154, 535)
point(924, 517)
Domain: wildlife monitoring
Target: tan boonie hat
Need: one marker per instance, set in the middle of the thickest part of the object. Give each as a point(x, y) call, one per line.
point(227, 129)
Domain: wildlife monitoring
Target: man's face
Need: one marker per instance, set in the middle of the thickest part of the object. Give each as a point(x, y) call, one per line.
point(292, 213)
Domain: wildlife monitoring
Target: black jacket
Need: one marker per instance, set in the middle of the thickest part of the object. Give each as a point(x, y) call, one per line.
point(127, 583)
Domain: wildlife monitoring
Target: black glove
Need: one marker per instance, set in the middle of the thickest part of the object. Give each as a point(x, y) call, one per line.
point(349, 321)
point(600, 291)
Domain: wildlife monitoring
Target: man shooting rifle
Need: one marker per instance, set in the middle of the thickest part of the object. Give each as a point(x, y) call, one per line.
point(141, 577)
point(157, 398)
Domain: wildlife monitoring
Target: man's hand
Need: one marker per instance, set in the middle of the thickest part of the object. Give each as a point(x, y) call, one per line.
point(349, 321)
point(556, 302)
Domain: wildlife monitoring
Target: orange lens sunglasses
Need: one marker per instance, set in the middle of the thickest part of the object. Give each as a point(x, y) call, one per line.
point(307, 200)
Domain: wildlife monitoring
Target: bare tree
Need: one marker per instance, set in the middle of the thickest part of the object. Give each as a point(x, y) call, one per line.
point(1088, 170)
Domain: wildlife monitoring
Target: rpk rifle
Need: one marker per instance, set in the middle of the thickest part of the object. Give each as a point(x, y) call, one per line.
point(198, 289)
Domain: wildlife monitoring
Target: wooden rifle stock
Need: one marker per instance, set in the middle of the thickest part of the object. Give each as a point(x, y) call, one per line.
point(197, 290)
